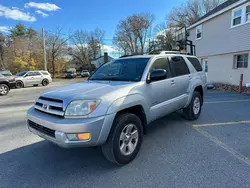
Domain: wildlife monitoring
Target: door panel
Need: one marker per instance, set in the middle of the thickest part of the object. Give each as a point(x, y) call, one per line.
point(37, 78)
point(161, 98)
point(28, 79)
point(159, 93)
point(182, 79)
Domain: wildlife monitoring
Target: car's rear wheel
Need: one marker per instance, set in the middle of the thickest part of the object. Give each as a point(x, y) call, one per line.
point(124, 141)
point(19, 84)
point(4, 89)
point(193, 110)
point(45, 82)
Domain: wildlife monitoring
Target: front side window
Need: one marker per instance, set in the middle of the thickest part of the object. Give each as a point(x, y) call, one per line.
point(179, 66)
point(241, 61)
point(199, 32)
point(130, 69)
point(161, 63)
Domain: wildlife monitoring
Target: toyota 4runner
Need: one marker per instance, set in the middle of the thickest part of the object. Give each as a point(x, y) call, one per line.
point(113, 108)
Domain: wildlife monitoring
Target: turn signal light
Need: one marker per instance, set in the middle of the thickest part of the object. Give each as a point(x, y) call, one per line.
point(83, 136)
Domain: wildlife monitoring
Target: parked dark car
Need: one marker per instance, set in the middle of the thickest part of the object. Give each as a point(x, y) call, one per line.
point(4, 85)
point(9, 76)
point(70, 74)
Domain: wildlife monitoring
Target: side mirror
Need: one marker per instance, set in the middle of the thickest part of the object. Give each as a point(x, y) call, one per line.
point(156, 75)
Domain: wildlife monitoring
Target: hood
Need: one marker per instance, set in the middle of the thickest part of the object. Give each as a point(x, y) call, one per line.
point(90, 90)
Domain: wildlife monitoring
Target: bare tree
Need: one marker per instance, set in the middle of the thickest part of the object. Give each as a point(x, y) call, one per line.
point(86, 46)
point(132, 33)
point(95, 39)
point(192, 10)
point(164, 38)
point(56, 45)
point(79, 49)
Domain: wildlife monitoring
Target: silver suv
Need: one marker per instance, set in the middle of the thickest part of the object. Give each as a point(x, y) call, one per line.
point(114, 107)
point(32, 78)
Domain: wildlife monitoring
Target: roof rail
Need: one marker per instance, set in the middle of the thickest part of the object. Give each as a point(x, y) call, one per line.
point(173, 52)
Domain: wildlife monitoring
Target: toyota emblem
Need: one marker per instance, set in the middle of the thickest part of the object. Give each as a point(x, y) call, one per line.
point(45, 106)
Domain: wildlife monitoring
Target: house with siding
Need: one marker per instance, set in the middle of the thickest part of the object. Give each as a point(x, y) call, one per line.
point(222, 41)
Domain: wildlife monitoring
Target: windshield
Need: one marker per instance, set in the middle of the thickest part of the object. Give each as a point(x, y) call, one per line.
point(6, 73)
point(21, 73)
point(122, 70)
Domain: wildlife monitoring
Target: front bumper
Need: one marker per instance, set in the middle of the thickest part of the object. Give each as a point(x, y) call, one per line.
point(98, 127)
point(12, 85)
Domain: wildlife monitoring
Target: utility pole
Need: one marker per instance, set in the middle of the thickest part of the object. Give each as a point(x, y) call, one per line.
point(44, 51)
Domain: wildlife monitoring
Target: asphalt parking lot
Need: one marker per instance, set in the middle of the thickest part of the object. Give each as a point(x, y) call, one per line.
point(213, 151)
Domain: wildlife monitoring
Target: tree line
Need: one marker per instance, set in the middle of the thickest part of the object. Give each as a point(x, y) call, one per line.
point(22, 48)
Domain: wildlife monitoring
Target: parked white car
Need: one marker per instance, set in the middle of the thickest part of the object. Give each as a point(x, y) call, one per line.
point(85, 73)
point(32, 78)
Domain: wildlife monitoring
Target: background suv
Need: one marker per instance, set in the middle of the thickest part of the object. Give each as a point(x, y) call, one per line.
point(115, 106)
point(9, 76)
point(4, 85)
point(32, 78)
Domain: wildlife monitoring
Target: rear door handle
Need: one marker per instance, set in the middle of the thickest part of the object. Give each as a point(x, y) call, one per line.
point(190, 77)
point(172, 82)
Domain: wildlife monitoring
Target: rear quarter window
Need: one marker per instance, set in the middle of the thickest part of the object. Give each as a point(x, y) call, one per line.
point(196, 63)
point(45, 73)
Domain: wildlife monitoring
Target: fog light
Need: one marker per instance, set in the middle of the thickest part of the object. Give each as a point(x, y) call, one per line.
point(83, 136)
point(80, 136)
point(72, 137)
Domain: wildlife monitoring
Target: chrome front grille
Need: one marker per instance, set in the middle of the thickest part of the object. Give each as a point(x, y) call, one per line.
point(50, 106)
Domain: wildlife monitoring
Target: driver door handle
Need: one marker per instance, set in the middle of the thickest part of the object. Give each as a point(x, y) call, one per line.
point(173, 82)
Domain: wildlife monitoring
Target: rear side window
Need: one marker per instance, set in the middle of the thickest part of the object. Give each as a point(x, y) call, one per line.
point(195, 62)
point(36, 74)
point(45, 73)
point(179, 66)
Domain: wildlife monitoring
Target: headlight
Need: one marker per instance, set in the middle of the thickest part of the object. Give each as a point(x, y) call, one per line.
point(81, 107)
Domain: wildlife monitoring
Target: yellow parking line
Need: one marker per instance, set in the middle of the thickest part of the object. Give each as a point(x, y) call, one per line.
point(218, 124)
point(230, 101)
point(233, 152)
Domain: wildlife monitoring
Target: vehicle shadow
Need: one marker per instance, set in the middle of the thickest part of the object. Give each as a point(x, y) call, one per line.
point(46, 164)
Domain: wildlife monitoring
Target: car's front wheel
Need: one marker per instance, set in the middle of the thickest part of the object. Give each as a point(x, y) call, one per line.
point(4, 89)
point(124, 141)
point(19, 84)
point(45, 82)
point(193, 110)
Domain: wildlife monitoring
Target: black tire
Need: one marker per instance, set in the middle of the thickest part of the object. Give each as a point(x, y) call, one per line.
point(45, 82)
point(189, 111)
point(111, 149)
point(4, 89)
point(19, 84)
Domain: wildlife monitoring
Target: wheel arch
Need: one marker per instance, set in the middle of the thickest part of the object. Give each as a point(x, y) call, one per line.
point(197, 87)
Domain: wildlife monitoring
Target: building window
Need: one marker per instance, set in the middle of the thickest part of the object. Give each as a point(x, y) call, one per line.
point(237, 17)
point(241, 61)
point(248, 13)
point(241, 15)
point(199, 32)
